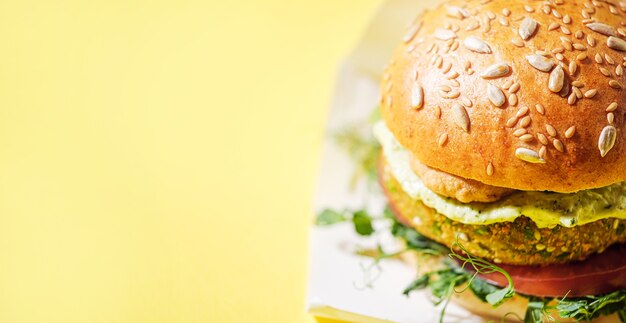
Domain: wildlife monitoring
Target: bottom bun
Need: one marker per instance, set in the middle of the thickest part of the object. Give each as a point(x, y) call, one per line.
point(513, 310)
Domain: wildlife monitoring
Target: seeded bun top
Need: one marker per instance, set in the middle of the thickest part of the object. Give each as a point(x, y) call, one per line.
point(526, 95)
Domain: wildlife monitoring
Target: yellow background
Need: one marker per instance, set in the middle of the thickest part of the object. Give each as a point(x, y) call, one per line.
point(158, 158)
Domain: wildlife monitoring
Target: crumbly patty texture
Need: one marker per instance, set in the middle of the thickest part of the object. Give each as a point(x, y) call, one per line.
point(528, 95)
point(462, 189)
point(517, 243)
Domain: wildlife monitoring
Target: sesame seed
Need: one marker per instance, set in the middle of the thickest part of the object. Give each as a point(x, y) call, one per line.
point(547, 10)
point(438, 112)
point(578, 84)
point(444, 34)
point(442, 139)
point(467, 64)
point(556, 14)
point(506, 12)
point(527, 28)
point(495, 71)
point(417, 96)
point(607, 140)
point(591, 93)
point(565, 30)
point(477, 45)
point(551, 130)
point(452, 75)
point(558, 145)
point(610, 117)
point(513, 99)
point(572, 68)
point(517, 42)
point(412, 32)
point(461, 118)
point(598, 59)
point(609, 59)
point(619, 70)
point(503, 21)
point(614, 84)
point(558, 50)
point(519, 132)
point(528, 155)
point(525, 122)
point(489, 169)
point(528, 8)
point(568, 46)
point(514, 88)
point(553, 26)
point(577, 92)
point(560, 56)
point(612, 107)
point(527, 138)
point(580, 47)
point(542, 138)
point(540, 109)
point(473, 25)
point(591, 41)
point(571, 100)
point(567, 19)
point(581, 57)
point(491, 15)
point(605, 72)
point(511, 122)
point(507, 84)
point(542, 152)
point(495, 95)
point(446, 68)
point(621, 31)
point(585, 14)
point(555, 82)
point(579, 34)
point(521, 112)
point(453, 95)
point(569, 133)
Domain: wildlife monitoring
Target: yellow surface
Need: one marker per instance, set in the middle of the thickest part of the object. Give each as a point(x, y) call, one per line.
point(158, 158)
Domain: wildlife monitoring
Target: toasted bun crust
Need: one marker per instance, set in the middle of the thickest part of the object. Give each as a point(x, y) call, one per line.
point(436, 93)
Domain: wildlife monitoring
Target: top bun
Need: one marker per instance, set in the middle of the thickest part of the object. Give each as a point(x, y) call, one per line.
point(528, 95)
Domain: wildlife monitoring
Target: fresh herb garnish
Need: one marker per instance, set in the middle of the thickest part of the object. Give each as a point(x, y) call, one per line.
point(590, 307)
point(361, 220)
point(362, 148)
point(480, 266)
point(442, 283)
point(329, 217)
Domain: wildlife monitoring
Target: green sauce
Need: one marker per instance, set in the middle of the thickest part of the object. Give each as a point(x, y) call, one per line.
point(546, 209)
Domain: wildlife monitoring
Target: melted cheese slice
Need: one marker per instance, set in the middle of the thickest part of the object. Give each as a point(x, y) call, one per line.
point(546, 209)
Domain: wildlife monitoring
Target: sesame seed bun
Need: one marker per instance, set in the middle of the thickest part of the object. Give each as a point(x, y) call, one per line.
point(515, 94)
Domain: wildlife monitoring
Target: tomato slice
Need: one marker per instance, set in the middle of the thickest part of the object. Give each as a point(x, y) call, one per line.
point(599, 274)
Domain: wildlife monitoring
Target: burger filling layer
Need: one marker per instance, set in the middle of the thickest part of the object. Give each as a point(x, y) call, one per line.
point(546, 209)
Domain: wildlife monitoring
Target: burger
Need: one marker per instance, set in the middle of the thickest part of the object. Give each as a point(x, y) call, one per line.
point(503, 141)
